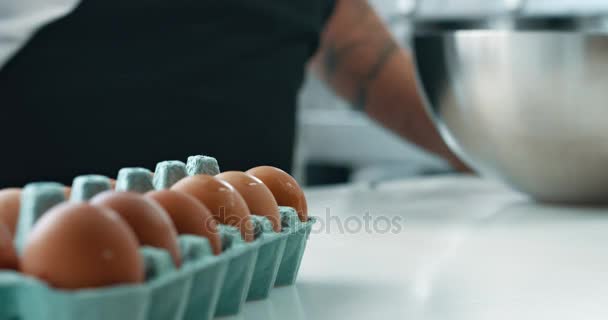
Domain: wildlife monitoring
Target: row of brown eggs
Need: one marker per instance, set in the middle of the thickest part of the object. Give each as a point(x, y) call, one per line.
point(95, 243)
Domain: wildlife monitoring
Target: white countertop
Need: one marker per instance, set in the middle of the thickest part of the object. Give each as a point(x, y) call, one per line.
point(468, 249)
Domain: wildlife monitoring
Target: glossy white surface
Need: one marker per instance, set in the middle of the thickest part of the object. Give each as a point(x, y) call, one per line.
point(469, 249)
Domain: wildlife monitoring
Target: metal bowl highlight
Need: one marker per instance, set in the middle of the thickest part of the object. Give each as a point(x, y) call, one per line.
point(528, 107)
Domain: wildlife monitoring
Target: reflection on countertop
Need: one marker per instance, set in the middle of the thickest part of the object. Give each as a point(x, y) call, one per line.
point(470, 249)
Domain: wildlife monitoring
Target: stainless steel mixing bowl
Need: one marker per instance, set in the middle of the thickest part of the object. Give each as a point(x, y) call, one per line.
point(529, 107)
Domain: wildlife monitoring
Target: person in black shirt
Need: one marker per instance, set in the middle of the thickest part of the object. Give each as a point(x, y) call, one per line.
point(129, 83)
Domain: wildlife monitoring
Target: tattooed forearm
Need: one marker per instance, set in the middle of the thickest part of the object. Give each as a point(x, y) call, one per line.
point(361, 100)
point(335, 60)
point(355, 51)
point(361, 61)
point(334, 56)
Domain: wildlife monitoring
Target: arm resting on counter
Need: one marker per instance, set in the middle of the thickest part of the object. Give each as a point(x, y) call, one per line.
point(362, 62)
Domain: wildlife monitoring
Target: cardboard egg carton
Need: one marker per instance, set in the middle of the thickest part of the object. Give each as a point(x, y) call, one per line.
point(204, 286)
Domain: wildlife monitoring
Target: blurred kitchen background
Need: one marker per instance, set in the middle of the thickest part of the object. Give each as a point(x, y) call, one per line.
point(338, 144)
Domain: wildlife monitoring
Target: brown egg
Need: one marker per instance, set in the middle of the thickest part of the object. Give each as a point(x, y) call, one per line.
point(189, 216)
point(258, 197)
point(10, 201)
point(225, 203)
point(8, 256)
point(148, 220)
point(77, 245)
point(284, 187)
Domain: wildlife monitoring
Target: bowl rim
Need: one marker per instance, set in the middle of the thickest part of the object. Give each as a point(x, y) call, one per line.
point(577, 23)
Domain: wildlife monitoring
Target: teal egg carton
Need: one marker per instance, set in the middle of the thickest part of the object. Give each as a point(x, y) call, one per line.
point(203, 287)
point(10, 283)
point(38, 301)
point(297, 234)
point(272, 248)
point(241, 265)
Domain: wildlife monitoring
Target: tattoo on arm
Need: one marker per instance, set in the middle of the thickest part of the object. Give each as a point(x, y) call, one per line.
point(339, 57)
point(361, 99)
point(334, 57)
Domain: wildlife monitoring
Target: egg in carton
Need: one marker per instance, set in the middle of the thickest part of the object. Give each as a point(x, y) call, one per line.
point(34, 299)
point(236, 228)
point(190, 292)
point(204, 286)
point(296, 224)
point(239, 250)
point(280, 219)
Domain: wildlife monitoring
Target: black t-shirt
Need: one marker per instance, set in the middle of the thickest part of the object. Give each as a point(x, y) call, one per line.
point(129, 83)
